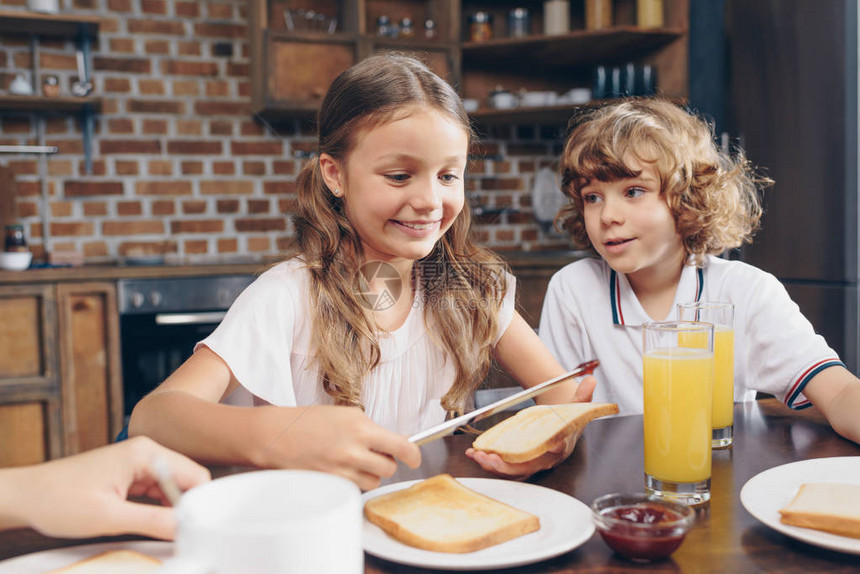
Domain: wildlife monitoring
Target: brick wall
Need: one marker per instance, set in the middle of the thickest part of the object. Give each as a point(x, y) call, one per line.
point(179, 164)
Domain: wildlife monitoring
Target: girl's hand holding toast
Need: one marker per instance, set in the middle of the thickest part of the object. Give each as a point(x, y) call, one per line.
point(336, 439)
point(536, 438)
point(491, 462)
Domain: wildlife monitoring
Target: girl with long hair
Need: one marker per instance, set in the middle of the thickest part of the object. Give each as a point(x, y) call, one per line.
point(386, 320)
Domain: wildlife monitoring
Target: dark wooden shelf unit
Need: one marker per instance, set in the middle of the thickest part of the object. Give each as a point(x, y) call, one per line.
point(291, 70)
point(541, 115)
point(578, 48)
point(44, 104)
point(58, 25)
point(83, 31)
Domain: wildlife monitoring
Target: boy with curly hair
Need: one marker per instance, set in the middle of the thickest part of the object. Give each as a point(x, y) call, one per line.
point(653, 196)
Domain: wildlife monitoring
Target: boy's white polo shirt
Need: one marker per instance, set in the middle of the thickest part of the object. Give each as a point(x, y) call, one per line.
point(590, 311)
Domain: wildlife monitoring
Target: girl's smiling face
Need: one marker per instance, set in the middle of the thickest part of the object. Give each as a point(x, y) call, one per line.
point(402, 184)
point(630, 224)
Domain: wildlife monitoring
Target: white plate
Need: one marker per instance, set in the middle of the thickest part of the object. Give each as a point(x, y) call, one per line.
point(764, 494)
point(40, 562)
point(565, 523)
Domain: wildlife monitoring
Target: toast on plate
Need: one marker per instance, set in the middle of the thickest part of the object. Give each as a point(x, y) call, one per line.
point(538, 429)
point(831, 507)
point(442, 515)
point(112, 562)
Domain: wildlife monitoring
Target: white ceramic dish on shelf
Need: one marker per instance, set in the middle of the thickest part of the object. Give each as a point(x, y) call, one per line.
point(538, 99)
point(15, 260)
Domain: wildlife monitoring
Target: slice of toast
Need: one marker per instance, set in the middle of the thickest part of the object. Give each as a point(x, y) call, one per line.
point(112, 562)
point(535, 430)
point(831, 507)
point(442, 515)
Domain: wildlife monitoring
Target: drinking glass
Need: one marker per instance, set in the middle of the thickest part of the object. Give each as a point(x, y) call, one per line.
point(678, 386)
point(721, 316)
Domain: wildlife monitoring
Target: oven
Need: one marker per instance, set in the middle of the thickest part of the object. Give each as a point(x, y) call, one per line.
point(160, 322)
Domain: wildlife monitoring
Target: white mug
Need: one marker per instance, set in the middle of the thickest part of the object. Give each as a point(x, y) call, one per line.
point(267, 522)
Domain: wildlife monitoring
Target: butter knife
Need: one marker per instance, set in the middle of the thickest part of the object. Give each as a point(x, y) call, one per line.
point(450, 426)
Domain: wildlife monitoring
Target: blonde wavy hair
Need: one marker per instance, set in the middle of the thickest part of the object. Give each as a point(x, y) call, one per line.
point(462, 284)
point(713, 196)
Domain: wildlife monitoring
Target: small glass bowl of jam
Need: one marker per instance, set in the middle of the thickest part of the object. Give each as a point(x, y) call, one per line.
point(640, 526)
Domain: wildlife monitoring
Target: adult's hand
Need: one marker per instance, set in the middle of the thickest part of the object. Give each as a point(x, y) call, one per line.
point(87, 494)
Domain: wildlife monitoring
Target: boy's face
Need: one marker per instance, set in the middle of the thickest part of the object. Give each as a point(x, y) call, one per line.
point(630, 224)
point(402, 185)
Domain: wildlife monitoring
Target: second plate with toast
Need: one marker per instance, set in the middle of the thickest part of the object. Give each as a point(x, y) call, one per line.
point(773, 489)
point(565, 523)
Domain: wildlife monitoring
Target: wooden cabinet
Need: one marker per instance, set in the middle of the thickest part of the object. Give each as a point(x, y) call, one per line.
point(291, 69)
point(297, 50)
point(60, 382)
point(90, 370)
point(30, 423)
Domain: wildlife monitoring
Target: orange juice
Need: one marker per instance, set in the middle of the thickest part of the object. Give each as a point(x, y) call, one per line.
point(724, 367)
point(678, 387)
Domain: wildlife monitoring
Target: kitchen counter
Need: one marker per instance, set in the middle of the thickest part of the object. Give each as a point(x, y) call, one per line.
point(114, 271)
point(519, 260)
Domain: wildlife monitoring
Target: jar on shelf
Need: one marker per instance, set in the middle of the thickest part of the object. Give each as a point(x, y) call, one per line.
point(407, 28)
point(519, 22)
point(430, 29)
point(649, 13)
point(556, 17)
point(51, 86)
point(15, 241)
point(480, 27)
point(383, 26)
point(598, 14)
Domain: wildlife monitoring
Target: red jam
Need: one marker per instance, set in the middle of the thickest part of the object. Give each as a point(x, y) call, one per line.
point(627, 536)
point(643, 513)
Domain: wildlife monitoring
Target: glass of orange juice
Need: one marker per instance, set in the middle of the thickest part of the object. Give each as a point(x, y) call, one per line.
point(721, 316)
point(678, 385)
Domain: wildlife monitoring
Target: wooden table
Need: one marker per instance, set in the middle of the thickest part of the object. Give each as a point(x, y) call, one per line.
point(608, 458)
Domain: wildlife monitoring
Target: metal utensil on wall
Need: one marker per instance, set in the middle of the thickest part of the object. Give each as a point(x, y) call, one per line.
point(83, 86)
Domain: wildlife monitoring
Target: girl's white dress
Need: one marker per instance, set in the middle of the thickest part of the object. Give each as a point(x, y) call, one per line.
point(265, 339)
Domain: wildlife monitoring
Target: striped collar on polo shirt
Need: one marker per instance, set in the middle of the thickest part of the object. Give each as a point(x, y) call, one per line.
point(626, 309)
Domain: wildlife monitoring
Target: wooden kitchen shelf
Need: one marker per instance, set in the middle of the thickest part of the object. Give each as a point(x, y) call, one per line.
point(541, 115)
point(45, 104)
point(60, 25)
point(577, 48)
point(291, 70)
point(82, 30)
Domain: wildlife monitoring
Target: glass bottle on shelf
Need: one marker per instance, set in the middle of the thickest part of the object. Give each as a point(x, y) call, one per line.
point(15, 241)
